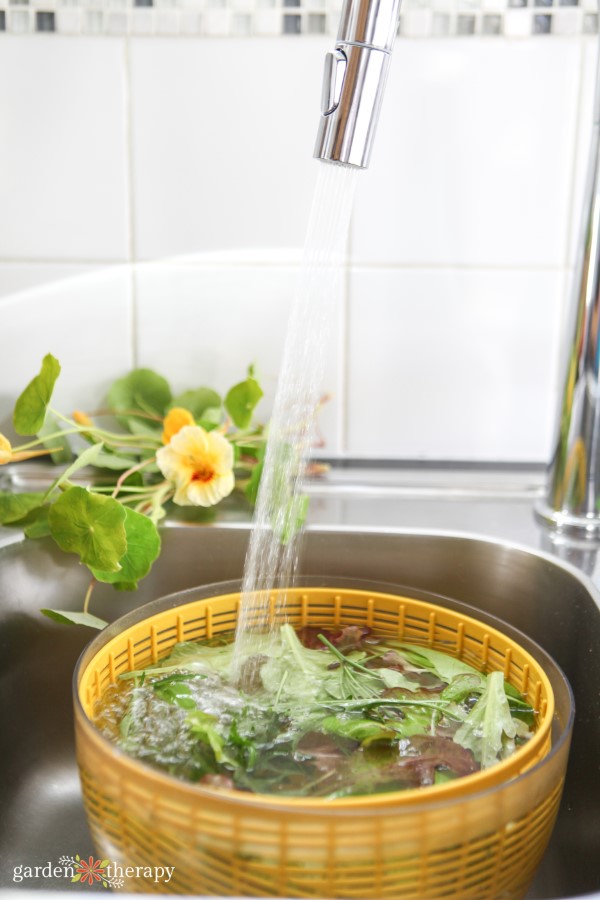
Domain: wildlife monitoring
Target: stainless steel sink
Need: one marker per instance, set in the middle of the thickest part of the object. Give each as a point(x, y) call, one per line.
point(42, 816)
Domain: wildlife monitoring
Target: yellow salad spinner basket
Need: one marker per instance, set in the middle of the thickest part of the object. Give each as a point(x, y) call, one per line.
point(480, 836)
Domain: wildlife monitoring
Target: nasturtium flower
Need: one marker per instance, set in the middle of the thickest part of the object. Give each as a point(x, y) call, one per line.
point(8, 455)
point(199, 464)
point(176, 419)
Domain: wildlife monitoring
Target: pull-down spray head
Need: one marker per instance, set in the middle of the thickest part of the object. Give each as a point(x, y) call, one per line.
point(354, 81)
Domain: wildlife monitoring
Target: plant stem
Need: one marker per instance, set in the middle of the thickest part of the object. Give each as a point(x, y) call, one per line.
point(124, 475)
point(88, 594)
point(345, 659)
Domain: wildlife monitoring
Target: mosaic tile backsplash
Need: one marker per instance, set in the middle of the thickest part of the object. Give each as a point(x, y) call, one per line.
point(239, 18)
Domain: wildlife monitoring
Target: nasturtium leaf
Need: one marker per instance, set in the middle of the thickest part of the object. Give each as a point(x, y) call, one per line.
point(114, 461)
point(86, 458)
point(146, 428)
point(36, 524)
point(66, 617)
point(142, 390)
point(241, 401)
point(198, 401)
point(14, 507)
point(91, 525)
point(143, 546)
point(63, 453)
point(30, 409)
point(211, 418)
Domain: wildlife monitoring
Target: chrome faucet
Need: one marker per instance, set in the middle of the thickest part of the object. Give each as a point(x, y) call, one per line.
point(354, 81)
point(571, 506)
point(353, 87)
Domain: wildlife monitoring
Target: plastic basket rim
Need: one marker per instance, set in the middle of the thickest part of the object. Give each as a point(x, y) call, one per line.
point(369, 805)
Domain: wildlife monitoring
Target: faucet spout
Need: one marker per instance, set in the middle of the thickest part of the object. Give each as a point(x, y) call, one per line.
point(572, 502)
point(354, 81)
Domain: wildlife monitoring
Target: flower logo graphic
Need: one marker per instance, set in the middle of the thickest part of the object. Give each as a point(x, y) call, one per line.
point(90, 871)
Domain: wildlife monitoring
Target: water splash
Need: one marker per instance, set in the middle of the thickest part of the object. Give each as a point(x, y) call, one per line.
point(274, 542)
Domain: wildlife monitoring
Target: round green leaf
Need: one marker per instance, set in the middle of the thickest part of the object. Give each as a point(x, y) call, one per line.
point(143, 546)
point(14, 507)
point(90, 525)
point(142, 390)
point(198, 401)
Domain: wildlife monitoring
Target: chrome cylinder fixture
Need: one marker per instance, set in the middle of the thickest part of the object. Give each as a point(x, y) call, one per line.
point(572, 503)
point(354, 81)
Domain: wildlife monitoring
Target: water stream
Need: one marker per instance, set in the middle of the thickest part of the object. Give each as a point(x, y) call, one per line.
point(274, 541)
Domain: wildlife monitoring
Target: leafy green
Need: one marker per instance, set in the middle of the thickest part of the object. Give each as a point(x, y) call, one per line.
point(90, 525)
point(445, 667)
point(198, 402)
point(14, 507)
point(30, 409)
point(141, 391)
point(174, 690)
point(204, 727)
point(67, 617)
point(87, 457)
point(241, 400)
point(143, 547)
point(332, 721)
point(365, 731)
point(490, 719)
point(36, 524)
point(115, 461)
point(251, 489)
point(60, 447)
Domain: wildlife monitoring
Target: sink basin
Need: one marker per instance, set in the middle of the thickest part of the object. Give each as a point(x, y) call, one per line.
point(43, 817)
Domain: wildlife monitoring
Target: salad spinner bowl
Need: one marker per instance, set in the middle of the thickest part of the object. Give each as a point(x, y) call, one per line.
point(480, 836)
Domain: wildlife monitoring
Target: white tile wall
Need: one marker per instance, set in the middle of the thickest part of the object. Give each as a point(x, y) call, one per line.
point(203, 325)
point(474, 157)
point(63, 190)
point(120, 149)
point(84, 322)
point(223, 136)
point(15, 277)
point(452, 364)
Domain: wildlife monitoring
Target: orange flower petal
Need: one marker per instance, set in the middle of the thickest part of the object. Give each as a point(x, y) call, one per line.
point(174, 421)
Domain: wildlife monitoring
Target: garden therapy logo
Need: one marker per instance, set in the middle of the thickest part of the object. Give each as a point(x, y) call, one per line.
point(93, 871)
